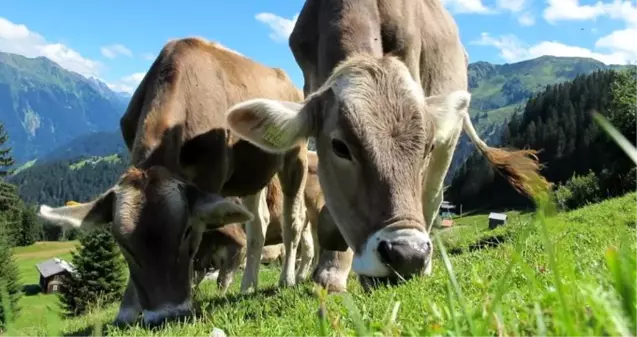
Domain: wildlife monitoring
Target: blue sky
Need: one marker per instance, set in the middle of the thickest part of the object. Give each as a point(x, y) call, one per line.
point(117, 40)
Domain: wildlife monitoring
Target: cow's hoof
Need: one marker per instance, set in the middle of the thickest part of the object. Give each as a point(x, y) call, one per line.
point(331, 280)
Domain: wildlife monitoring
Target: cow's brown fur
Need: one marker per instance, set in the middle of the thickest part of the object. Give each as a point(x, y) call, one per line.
point(176, 121)
point(387, 79)
point(232, 238)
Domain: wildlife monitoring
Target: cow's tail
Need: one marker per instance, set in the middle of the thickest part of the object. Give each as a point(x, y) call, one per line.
point(520, 167)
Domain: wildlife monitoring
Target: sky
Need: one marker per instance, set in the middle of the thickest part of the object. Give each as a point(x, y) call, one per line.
point(117, 40)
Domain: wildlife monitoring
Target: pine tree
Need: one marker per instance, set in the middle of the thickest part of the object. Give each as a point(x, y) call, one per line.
point(30, 230)
point(6, 160)
point(99, 273)
point(9, 281)
point(11, 211)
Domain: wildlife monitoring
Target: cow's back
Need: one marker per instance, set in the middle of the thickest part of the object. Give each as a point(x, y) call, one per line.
point(178, 116)
point(420, 32)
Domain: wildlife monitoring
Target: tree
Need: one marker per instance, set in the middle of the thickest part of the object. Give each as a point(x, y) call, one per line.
point(11, 212)
point(6, 160)
point(9, 281)
point(99, 273)
point(30, 230)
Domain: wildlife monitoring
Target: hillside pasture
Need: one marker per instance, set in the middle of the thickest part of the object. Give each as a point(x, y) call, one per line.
point(40, 313)
point(572, 274)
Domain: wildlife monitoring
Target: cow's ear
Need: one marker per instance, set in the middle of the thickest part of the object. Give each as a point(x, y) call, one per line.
point(274, 126)
point(215, 211)
point(447, 112)
point(84, 216)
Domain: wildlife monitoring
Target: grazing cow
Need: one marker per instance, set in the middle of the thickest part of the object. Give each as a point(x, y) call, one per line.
point(223, 248)
point(185, 163)
point(386, 100)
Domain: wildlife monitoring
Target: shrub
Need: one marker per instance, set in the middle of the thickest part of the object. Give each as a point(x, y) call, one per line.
point(579, 191)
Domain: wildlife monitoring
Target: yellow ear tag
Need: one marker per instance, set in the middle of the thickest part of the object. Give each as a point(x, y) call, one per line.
point(275, 136)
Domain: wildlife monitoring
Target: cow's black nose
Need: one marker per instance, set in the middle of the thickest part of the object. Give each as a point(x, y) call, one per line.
point(406, 258)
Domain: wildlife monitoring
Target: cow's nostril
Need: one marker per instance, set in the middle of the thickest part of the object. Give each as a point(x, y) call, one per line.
point(384, 250)
point(404, 257)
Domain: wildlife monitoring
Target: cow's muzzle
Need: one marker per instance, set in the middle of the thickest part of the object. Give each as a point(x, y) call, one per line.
point(394, 254)
point(168, 313)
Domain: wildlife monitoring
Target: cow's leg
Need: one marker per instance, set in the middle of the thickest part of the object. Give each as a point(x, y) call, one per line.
point(293, 178)
point(255, 233)
point(335, 258)
point(307, 252)
point(234, 257)
point(332, 269)
point(317, 246)
point(130, 308)
point(432, 191)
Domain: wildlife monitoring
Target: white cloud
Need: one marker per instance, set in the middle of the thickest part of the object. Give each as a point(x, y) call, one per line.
point(526, 19)
point(572, 10)
point(281, 27)
point(127, 83)
point(513, 50)
point(148, 56)
point(467, 6)
point(18, 39)
point(114, 50)
point(512, 5)
point(516, 7)
point(624, 41)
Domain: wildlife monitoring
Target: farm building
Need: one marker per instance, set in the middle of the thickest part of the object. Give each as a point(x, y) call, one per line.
point(51, 272)
point(497, 219)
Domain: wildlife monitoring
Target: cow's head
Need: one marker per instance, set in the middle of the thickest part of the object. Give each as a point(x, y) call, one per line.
point(158, 221)
point(375, 131)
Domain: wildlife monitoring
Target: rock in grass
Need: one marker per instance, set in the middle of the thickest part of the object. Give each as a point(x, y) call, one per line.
point(216, 332)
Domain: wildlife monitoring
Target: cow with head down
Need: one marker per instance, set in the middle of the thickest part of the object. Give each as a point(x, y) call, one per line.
point(386, 100)
point(185, 162)
point(223, 249)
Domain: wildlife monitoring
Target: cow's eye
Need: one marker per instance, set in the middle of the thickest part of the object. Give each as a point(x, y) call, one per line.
point(340, 149)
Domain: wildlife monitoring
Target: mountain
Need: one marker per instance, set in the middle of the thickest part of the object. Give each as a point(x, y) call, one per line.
point(499, 90)
point(44, 106)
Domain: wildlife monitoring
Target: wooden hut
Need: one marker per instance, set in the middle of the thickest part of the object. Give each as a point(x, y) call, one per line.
point(51, 272)
point(497, 219)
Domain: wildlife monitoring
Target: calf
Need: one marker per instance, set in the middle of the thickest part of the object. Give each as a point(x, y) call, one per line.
point(185, 161)
point(386, 100)
point(223, 248)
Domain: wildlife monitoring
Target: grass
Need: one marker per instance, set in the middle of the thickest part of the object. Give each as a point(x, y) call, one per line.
point(39, 312)
point(573, 274)
point(570, 274)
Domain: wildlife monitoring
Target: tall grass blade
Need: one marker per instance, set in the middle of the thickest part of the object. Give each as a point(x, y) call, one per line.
point(357, 319)
point(621, 141)
point(454, 283)
point(622, 267)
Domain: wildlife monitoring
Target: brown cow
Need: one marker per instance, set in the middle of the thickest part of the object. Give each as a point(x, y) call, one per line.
point(185, 159)
point(386, 100)
point(225, 248)
point(224, 251)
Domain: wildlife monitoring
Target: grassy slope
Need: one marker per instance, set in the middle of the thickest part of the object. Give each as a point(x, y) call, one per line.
point(40, 312)
point(584, 299)
point(533, 74)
